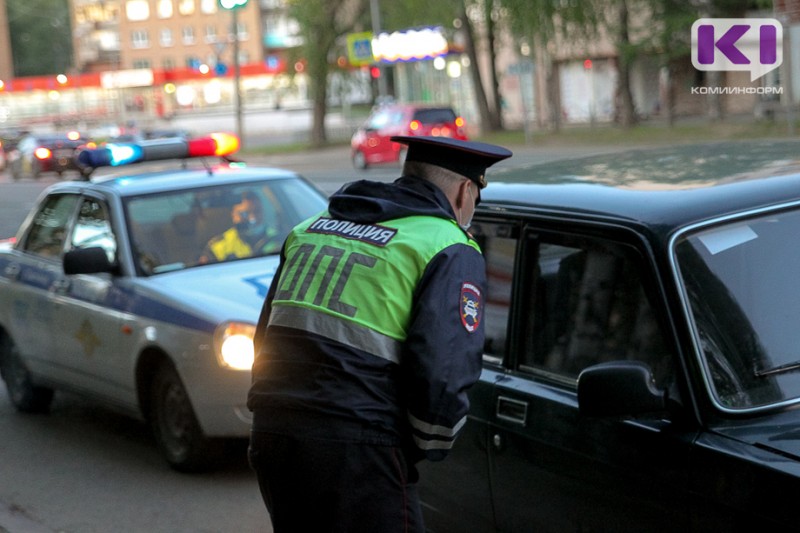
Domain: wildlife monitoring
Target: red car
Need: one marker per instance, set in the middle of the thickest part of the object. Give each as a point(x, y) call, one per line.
point(371, 145)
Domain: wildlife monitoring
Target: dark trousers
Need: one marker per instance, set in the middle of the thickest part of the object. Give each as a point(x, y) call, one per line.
point(320, 485)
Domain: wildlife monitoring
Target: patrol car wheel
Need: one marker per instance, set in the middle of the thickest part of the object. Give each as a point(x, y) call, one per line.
point(175, 425)
point(24, 395)
point(359, 160)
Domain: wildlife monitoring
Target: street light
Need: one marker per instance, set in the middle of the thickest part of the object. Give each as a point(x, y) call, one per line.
point(234, 6)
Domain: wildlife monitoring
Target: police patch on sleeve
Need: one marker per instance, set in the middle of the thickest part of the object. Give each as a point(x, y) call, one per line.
point(471, 306)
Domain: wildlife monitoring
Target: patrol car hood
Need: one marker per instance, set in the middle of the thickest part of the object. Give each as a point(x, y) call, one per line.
point(218, 292)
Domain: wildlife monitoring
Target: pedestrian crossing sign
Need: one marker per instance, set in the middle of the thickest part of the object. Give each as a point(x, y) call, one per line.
point(359, 49)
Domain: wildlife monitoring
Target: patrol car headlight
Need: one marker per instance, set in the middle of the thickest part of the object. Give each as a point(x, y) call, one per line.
point(234, 342)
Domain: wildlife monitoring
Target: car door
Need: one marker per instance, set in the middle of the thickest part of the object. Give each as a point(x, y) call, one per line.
point(89, 323)
point(32, 271)
point(583, 300)
point(456, 493)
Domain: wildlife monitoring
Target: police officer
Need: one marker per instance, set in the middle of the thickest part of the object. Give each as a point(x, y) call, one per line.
point(369, 338)
point(249, 235)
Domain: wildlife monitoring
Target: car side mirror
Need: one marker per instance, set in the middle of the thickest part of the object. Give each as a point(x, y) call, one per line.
point(619, 388)
point(92, 260)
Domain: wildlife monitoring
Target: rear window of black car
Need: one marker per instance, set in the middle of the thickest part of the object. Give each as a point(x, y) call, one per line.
point(435, 115)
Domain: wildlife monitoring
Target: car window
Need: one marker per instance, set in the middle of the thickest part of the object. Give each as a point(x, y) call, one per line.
point(180, 229)
point(744, 301)
point(498, 243)
point(48, 231)
point(435, 116)
point(93, 228)
point(585, 303)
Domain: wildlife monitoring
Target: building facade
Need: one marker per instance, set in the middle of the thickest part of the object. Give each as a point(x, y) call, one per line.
point(6, 63)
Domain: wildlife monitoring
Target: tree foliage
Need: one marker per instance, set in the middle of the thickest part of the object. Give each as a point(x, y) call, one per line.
point(41, 40)
point(322, 22)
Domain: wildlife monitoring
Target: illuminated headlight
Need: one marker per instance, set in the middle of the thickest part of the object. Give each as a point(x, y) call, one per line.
point(234, 345)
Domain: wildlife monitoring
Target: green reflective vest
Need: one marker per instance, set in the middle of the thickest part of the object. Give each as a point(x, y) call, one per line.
point(354, 283)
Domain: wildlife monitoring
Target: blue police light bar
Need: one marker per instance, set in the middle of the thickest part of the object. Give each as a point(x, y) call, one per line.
point(117, 154)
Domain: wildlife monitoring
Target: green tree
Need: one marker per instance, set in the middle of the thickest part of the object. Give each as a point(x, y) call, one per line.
point(464, 14)
point(322, 22)
point(41, 39)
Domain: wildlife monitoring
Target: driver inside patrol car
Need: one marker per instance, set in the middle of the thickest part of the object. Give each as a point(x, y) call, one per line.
point(249, 235)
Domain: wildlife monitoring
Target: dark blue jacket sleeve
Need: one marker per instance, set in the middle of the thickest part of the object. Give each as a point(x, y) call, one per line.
point(444, 349)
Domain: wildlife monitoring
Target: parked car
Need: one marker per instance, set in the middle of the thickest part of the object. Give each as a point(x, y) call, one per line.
point(106, 291)
point(370, 144)
point(641, 369)
point(38, 153)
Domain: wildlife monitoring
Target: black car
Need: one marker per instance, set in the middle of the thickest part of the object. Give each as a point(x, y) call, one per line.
point(36, 154)
point(641, 368)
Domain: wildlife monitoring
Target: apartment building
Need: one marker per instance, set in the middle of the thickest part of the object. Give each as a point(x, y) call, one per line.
point(171, 34)
point(134, 59)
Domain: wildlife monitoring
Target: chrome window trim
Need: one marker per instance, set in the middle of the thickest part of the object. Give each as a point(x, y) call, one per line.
point(685, 305)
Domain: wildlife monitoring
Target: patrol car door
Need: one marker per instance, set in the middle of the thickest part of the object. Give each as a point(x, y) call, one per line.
point(88, 325)
point(582, 301)
point(31, 273)
point(456, 492)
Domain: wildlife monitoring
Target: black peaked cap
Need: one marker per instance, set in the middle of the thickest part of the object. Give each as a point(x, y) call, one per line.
point(467, 158)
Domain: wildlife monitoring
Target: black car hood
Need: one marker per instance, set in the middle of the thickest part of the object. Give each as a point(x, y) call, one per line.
point(779, 433)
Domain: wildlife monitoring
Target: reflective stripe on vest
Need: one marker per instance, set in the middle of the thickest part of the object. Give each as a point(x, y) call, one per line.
point(436, 437)
point(332, 327)
point(363, 275)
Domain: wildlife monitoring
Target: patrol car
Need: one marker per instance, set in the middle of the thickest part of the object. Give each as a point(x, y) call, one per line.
point(641, 368)
point(105, 290)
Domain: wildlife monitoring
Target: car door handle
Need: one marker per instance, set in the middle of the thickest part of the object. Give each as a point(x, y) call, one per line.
point(512, 410)
point(60, 285)
point(12, 271)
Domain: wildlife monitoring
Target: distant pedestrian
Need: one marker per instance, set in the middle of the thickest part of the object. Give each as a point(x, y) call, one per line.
point(370, 336)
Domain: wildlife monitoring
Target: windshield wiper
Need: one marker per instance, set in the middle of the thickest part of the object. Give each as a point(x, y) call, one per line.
point(788, 367)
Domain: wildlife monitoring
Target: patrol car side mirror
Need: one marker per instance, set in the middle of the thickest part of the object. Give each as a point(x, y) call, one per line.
point(93, 260)
point(619, 388)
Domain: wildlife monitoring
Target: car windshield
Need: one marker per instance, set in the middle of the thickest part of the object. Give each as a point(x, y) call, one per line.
point(435, 115)
point(744, 300)
point(180, 229)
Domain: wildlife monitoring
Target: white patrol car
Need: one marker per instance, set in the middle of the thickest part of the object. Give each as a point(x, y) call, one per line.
point(142, 290)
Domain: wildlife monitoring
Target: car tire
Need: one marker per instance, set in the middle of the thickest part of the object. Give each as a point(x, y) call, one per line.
point(359, 160)
point(175, 426)
point(24, 395)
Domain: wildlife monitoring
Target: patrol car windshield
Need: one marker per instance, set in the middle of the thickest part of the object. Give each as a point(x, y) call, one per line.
point(193, 227)
point(744, 298)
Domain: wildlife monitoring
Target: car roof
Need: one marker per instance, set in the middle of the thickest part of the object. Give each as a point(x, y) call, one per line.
point(662, 188)
point(412, 106)
point(131, 183)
